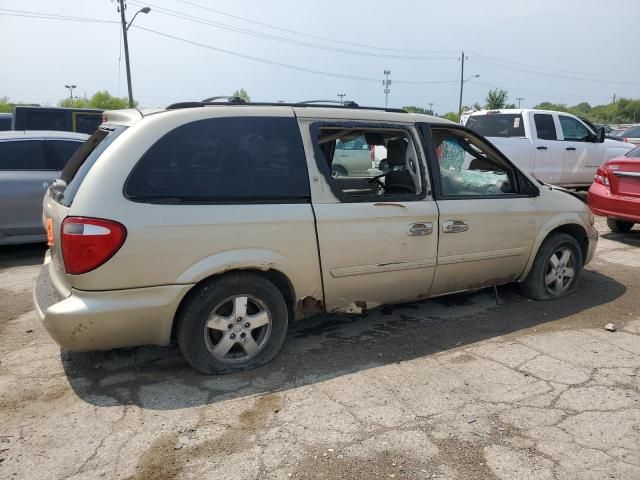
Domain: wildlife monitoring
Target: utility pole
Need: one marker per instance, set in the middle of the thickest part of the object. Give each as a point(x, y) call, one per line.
point(70, 87)
point(430, 108)
point(519, 100)
point(386, 83)
point(342, 95)
point(461, 85)
point(614, 98)
point(126, 50)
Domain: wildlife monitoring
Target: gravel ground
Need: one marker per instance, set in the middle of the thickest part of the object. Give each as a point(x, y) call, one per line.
point(456, 388)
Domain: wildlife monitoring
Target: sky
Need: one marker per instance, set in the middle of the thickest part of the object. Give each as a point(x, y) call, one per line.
point(561, 51)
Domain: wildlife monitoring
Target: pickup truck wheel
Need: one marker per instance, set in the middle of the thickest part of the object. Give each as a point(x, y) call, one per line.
point(236, 322)
point(555, 270)
point(619, 226)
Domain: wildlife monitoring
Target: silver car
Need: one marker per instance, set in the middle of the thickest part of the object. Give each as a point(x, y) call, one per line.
point(29, 162)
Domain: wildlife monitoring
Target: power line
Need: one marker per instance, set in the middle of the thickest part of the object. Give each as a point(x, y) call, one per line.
point(546, 74)
point(223, 26)
point(506, 62)
point(50, 16)
point(304, 34)
point(286, 65)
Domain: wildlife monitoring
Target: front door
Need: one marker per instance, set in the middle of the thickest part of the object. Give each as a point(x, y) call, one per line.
point(581, 156)
point(377, 230)
point(487, 226)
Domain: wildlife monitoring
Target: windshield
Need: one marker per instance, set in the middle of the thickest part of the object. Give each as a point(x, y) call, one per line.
point(497, 125)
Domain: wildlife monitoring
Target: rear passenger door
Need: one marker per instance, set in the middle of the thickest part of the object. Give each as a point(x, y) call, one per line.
point(487, 224)
point(377, 237)
point(25, 171)
point(548, 165)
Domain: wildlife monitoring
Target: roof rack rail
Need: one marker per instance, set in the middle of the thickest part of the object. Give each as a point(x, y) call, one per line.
point(230, 99)
point(306, 104)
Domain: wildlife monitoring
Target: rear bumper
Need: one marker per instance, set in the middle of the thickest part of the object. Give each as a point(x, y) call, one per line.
point(621, 207)
point(85, 321)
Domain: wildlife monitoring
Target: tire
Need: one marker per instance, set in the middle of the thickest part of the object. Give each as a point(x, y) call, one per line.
point(549, 279)
point(619, 226)
point(338, 171)
point(215, 331)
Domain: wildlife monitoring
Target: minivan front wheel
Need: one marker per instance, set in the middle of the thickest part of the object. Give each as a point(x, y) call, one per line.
point(232, 323)
point(555, 270)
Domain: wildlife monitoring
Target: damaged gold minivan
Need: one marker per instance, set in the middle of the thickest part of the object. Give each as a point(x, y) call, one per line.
point(215, 224)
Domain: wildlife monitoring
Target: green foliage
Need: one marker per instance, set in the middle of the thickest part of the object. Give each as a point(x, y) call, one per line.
point(414, 109)
point(5, 106)
point(102, 100)
point(242, 93)
point(496, 98)
point(625, 110)
point(450, 116)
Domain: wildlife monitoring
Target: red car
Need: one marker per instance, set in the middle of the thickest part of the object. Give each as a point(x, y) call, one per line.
point(615, 192)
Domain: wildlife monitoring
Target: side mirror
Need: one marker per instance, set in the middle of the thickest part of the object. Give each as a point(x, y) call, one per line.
point(601, 134)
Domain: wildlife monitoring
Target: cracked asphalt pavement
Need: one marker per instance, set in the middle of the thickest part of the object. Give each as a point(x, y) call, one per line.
point(455, 388)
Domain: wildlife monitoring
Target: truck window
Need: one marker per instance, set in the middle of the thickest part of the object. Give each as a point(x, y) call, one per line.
point(545, 127)
point(573, 130)
point(497, 124)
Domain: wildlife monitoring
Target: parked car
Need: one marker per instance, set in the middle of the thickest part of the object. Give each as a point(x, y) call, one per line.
point(354, 157)
point(631, 135)
point(216, 225)
point(5, 121)
point(83, 120)
point(555, 147)
point(615, 192)
point(29, 161)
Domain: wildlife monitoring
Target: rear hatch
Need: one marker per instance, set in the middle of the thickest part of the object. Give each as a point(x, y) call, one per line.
point(624, 176)
point(60, 196)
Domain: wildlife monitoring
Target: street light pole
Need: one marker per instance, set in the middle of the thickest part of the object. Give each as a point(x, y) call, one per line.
point(125, 41)
point(70, 87)
point(462, 82)
point(519, 100)
point(342, 95)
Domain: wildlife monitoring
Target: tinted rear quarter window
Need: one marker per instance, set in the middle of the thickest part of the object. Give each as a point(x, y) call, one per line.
point(545, 127)
point(497, 125)
point(23, 155)
point(633, 132)
point(229, 160)
point(83, 159)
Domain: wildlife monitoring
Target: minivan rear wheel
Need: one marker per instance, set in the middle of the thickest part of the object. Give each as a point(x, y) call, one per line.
point(232, 323)
point(555, 270)
point(619, 226)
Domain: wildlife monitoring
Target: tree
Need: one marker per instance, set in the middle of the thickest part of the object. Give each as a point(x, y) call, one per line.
point(5, 106)
point(102, 100)
point(242, 93)
point(453, 116)
point(496, 98)
point(414, 109)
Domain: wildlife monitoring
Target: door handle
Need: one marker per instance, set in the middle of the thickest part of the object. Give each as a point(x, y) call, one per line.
point(420, 229)
point(541, 147)
point(455, 226)
point(571, 148)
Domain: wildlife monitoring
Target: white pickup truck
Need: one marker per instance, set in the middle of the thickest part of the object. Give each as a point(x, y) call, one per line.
point(555, 147)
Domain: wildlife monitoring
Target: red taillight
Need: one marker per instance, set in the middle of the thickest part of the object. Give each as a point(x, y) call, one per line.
point(87, 243)
point(602, 177)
